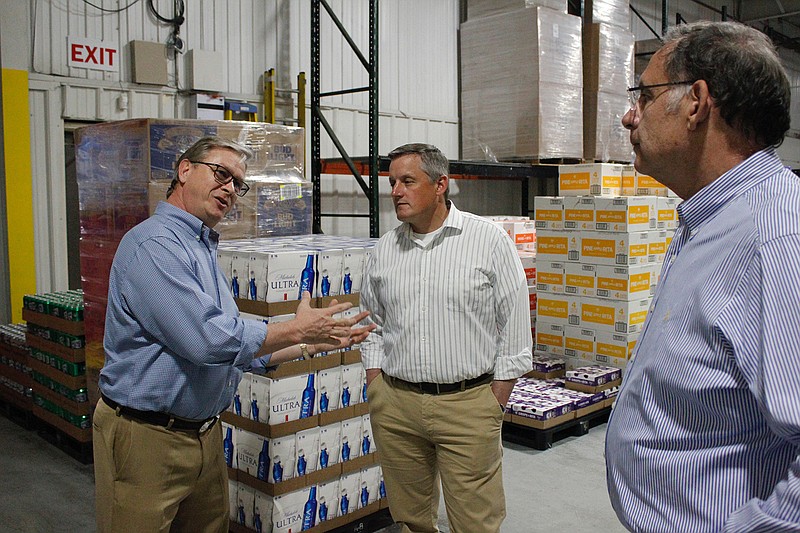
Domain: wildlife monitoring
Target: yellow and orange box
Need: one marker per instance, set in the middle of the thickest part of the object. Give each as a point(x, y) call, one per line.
point(591, 179)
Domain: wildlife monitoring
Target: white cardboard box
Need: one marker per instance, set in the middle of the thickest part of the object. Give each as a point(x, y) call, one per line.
point(592, 179)
point(626, 282)
point(548, 212)
point(625, 214)
point(580, 279)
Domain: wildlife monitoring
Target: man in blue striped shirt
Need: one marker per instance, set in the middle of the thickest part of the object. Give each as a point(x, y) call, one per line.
point(705, 433)
point(175, 350)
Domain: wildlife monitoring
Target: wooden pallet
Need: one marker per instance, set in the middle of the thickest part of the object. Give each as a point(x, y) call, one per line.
point(17, 408)
point(542, 439)
point(62, 435)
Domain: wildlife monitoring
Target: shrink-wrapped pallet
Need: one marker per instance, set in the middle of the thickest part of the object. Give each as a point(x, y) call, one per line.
point(522, 81)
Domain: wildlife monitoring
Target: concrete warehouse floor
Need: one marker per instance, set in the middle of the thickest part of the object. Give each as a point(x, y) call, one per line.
point(42, 489)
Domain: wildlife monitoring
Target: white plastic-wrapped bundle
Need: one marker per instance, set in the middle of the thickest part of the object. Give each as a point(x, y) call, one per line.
point(608, 72)
point(604, 137)
point(607, 58)
point(522, 82)
point(485, 8)
point(615, 12)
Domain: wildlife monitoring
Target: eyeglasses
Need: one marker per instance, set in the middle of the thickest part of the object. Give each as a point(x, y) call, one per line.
point(639, 100)
point(223, 176)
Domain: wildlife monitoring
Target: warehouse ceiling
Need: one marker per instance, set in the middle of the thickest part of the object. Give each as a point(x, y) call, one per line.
point(780, 19)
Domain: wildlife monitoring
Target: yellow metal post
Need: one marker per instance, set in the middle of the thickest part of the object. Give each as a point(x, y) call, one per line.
point(269, 96)
point(19, 188)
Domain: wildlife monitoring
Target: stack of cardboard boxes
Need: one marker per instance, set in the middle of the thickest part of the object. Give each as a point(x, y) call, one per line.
point(599, 255)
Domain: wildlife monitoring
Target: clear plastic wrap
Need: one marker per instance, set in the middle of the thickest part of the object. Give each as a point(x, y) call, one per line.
point(522, 79)
point(604, 137)
point(615, 12)
point(607, 58)
point(124, 169)
point(485, 8)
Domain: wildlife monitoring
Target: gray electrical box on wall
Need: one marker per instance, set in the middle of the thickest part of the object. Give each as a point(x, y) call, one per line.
point(149, 63)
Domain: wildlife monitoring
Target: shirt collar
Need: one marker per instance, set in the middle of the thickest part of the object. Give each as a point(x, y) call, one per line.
point(455, 219)
point(188, 222)
point(733, 183)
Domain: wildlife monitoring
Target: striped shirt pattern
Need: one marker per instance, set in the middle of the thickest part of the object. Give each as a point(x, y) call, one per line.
point(705, 433)
point(174, 342)
point(452, 309)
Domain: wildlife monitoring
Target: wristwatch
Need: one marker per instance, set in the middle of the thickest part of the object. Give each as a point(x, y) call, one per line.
point(304, 351)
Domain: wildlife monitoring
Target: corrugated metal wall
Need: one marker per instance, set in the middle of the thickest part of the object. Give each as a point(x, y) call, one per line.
point(418, 66)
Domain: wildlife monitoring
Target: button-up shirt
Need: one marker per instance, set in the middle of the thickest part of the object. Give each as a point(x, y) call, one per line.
point(706, 430)
point(450, 309)
point(173, 342)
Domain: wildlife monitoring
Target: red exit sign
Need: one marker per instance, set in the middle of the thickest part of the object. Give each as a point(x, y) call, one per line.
point(92, 54)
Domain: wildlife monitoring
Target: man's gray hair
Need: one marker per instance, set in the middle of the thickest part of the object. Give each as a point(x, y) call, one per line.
point(744, 74)
point(201, 148)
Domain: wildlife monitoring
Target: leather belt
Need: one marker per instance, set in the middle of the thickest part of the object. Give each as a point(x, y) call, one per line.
point(444, 388)
point(165, 420)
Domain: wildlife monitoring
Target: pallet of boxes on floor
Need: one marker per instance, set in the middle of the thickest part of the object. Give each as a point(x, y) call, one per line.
point(298, 439)
point(600, 246)
point(55, 337)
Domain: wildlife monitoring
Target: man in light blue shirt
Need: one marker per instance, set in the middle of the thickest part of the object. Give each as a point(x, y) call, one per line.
point(705, 434)
point(175, 350)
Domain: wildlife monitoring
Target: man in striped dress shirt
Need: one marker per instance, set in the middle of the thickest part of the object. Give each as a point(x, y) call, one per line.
point(706, 430)
point(448, 294)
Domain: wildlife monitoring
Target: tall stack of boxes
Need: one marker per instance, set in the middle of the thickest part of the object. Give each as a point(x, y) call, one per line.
point(599, 255)
point(298, 439)
point(55, 335)
point(522, 82)
point(607, 74)
point(124, 169)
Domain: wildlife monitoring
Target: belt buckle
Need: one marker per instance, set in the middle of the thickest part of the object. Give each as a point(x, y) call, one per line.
point(207, 424)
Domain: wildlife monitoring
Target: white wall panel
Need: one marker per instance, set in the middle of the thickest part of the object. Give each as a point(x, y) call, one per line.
point(49, 189)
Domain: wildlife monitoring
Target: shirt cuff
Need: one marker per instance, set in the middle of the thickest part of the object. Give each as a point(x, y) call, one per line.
point(514, 366)
point(253, 335)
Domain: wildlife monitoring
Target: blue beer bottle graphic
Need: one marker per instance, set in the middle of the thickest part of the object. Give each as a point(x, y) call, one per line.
point(235, 284)
point(364, 494)
point(307, 402)
point(344, 502)
point(277, 469)
point(263, 461)
point(325, 284)
point(345, 394)
point(254, 408)
point(307, 277)
point(323, 456)
point(301, 463)
point(323, 400)
point(347, 282)
point(227, 446)
point(323, 509)
point(252, 286)
point(241, 512)
point(365, 443)
point(237, 404)
point(345, 449)
point(310, 510)
point(382, 489)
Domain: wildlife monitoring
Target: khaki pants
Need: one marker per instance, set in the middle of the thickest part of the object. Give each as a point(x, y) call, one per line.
point(151, 479)
point(456, 437)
